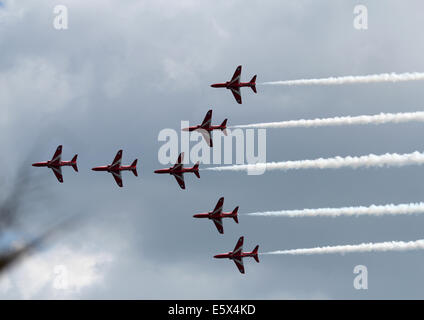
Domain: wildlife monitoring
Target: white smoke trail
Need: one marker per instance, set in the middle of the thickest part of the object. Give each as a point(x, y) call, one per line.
point(363, 247)
point(385, 77)
point(374, 210)
point(371, 160)
point(339, 121)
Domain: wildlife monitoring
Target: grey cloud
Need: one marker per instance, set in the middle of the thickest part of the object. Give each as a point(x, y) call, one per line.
point(124, 71)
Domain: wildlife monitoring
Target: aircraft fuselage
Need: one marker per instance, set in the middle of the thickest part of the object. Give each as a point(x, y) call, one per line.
point(199, 127)
point(230, 85)
point(171, 171)
point(50, 164)
point(210, 215)
point(230, 255)
point(110, 168)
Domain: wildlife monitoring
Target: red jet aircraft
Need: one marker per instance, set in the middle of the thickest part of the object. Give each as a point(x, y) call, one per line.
point(216, 215)
point(56, 164)
point(205, 128)
point(237, 255)
point(115, 168)
point(178, 170)
point(234, 84)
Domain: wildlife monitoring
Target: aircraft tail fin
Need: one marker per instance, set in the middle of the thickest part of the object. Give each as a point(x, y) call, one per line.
point(235, 217)
point(196, 169)
point(134, 167)
point(74, 163)
point(255, 253)
point(224, 127)
point(253, 82)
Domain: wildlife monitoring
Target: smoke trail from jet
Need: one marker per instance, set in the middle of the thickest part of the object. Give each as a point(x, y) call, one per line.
point(373, 210)
point(363, 247)
point(341, 121)
point(371, 160)
point(372, 78)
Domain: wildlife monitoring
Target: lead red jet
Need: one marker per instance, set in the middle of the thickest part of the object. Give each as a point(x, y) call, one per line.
point(115, 168)
point(56, 164)
point(234, 84)
point(205, 128)
point(216, 215)
point(178, 170)
point(237, 255)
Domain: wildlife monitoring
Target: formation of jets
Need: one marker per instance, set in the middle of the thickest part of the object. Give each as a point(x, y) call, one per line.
point(115, 168)
point(178, 170)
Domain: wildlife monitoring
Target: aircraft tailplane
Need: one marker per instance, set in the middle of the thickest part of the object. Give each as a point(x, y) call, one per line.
point(74, 163)
point(253, 82)
point(134, 167)
point(196, 169)
point(235, 214)
point(224, 127)
point(255, 253)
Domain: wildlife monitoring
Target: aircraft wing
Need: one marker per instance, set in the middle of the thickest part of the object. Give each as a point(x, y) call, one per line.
point(207, 121)
point(180, 179)
point(236, 94)
point(58, 173)
point(218, 207)
point(236, 76)
point(57, 155)
point(118, 177)
point(218, 224)
point(207, 136)
point(179, 162)
point(239, 264)
point(239, 246)
point(117, 161)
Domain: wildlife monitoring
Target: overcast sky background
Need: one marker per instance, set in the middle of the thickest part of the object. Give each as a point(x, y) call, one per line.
point(124, 70)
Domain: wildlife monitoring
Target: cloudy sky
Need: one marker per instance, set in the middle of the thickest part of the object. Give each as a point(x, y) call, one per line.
point(125, 70)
